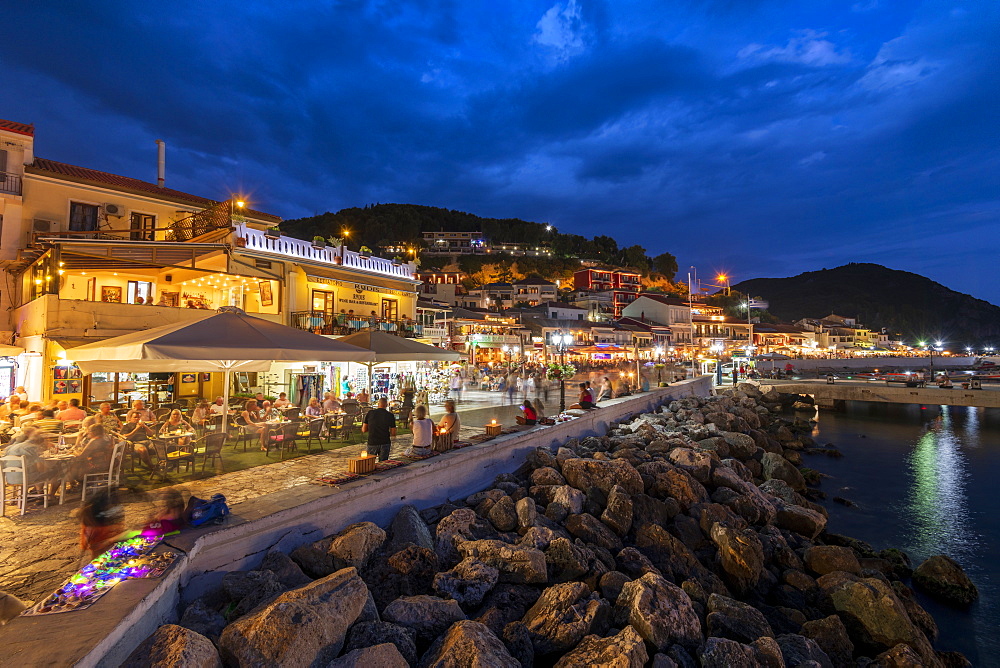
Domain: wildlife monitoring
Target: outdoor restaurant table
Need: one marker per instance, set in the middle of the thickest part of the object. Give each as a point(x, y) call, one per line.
point(176, 436)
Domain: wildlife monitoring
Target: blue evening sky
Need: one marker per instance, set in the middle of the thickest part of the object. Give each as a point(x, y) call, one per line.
point(756, 136)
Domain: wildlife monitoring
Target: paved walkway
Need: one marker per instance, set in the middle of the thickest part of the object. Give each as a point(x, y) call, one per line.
point(40, 549)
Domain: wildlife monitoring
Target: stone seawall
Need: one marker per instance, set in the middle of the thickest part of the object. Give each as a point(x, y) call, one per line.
point(106, 634)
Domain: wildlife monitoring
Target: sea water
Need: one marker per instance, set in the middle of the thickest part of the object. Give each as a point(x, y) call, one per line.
point(926, 479)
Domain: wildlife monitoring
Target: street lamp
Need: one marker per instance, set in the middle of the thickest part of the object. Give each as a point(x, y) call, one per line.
point(561, 341)
point(658, 352)
point(724, 279)
point(930, 350)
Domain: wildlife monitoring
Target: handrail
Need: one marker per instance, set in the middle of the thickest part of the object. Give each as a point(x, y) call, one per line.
point(340, 324)
point(335, 256)
point(10, 183)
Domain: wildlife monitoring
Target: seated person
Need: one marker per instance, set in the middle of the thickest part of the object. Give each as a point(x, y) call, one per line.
point(539, 410)
point(586, 400)
point(253, 420)
point(73, 412)
point(268, 412)
point(282, 401)
point(330, 403)
point(168, 516)
point(102, 524)
point(363, 397)
point(176, 423)
point(138, 434)
point(217, 406)
point(144, 413)
point(93, 455)
point(30, 444)
point(530, 417)
point(48, 422)
point(314, 409)
point(423, 433)
point(201, 414)
point(11, 408)
point(449, 426)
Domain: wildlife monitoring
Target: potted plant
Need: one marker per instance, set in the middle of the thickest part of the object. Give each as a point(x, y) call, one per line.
point(319, 242)
point(273, 232)
point(241, 242)
point(365, 252)
point(396, 261)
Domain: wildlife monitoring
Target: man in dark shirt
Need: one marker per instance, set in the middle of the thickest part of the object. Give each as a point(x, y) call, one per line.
point(380, 425)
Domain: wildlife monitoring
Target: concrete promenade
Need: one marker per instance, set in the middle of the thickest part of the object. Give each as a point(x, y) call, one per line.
point(826, 394)
point(293, 514)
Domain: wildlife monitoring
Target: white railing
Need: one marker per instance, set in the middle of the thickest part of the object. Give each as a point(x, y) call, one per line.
point(304, 250)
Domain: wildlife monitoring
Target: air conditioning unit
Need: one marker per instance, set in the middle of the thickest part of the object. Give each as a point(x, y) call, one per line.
point(44, 226)
point(116, 210)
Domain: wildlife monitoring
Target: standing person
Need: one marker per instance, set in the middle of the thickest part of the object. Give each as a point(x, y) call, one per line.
point(380, 425)
point(455, 385)
point(511, 387)
point(21, 393)
point(448, 427)
point(423, 433)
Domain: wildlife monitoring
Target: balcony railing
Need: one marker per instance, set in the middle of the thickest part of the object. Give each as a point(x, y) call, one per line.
point(337, 324)
point(10, 183)
point(304, 250)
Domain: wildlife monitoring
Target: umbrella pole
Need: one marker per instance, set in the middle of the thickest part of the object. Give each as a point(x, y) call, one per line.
point(225, 400)
point(371, 390)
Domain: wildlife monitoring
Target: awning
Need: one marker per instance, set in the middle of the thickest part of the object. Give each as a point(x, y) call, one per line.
point(10, 351)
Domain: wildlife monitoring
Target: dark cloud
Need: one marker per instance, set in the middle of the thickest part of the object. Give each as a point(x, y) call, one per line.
point(764, 137)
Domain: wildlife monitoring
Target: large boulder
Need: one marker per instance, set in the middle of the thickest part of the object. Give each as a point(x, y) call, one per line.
point(726, 653)
point(802, 521)
point(384, 656)
point(517, 564)
point(776, 466)
point(286, 571)
point(944, 579)
point(503, 514)
point(408, 527)
point(823, 559)
point(569, 497)
point(302, 627)
point(467, 644)
point(798, 651)
point(661, 612)
point(696, 462)
point(315, 558)
point(203, 618)
point(874, 616)
point(355, 544)
point(618, 513)
point(741, 554)
point(729, 618)
point(457, 526)
point(367, 634)
point(623, 650)
point(592, 530)
point(831, 636)
point(426, 616)
point(172, 645)
point(670, 557)
point(563, 615)
point(666, 480)
point(468, 582)
point(586, 473)
point(741, 446)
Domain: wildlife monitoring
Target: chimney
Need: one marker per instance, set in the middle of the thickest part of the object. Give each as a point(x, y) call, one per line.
point(161, 162)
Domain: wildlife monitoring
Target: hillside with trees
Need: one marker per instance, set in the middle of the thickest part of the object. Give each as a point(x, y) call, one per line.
point(904, 303)
point(383, 225)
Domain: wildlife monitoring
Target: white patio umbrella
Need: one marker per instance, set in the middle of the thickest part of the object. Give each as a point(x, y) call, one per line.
point(227, 341)
point(392, 348)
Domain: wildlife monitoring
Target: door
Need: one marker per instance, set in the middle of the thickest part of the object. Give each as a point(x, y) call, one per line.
point(390, 310)
point(141, 226)
point(140, 292)
point(82, 217)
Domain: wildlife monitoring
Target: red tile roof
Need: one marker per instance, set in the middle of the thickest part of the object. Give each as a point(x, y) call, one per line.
point(126, 184)
point(20, 128)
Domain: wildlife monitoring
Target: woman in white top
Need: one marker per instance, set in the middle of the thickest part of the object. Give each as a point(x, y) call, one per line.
point(423, 433)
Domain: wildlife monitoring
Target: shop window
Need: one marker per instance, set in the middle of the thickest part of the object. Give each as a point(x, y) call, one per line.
point(140, 292)
point(82, 217)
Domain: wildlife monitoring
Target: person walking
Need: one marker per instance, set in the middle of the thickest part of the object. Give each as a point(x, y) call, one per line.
point(380, 425)
point(455, 385)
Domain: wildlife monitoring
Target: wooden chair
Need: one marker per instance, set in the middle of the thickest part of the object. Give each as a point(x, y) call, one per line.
point(211, 449)
point(13, 469)
point(110, 480)
point(281, 438)
point(244, 432)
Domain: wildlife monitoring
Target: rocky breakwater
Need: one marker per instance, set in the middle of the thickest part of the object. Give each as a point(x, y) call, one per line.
point(683, 537)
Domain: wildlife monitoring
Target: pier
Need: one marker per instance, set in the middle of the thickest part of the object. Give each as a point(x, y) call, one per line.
point(832, 395)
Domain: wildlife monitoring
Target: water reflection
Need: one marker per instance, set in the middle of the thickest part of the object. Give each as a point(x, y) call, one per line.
point(936, 507)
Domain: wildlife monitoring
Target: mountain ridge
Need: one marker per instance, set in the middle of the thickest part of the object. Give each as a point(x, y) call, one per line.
point(905, 303)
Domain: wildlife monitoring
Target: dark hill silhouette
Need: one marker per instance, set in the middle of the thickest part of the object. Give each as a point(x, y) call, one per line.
point(904, 303)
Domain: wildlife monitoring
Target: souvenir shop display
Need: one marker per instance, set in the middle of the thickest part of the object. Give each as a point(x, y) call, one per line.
point(125, 559)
